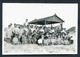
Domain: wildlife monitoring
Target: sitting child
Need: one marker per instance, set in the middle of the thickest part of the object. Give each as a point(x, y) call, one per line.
point(15, 40)
point(24, 39)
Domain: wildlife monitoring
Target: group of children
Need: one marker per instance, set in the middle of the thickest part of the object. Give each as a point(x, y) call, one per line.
point(26, 34)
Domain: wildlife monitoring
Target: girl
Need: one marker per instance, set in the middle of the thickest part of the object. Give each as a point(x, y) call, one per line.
point(15, 40)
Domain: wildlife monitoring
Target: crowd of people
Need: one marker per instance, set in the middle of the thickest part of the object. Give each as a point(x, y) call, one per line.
point(41, 35)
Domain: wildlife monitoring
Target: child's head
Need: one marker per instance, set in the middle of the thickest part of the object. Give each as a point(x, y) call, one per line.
point(16, 35)
point(24, 33)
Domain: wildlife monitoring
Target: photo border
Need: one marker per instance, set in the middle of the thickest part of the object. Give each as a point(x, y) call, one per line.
point(40, 1)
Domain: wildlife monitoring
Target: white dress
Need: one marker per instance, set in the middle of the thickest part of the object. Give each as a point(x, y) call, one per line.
point(15, 40)
point(40, 41)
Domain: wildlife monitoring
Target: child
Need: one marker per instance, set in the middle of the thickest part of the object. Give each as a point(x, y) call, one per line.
point(24, 38)
point(8, 34)
point(15, 40)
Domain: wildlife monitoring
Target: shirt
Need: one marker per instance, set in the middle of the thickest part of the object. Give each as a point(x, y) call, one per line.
point(9, 32)
point(16, 30)
point(20, 32)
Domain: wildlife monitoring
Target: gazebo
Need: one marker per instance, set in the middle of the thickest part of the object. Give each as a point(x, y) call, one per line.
point(48, 20)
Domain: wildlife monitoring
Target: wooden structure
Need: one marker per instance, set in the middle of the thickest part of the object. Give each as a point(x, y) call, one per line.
point(48, 20)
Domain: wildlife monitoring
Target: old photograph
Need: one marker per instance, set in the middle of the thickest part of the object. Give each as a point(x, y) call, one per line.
point(39, 28)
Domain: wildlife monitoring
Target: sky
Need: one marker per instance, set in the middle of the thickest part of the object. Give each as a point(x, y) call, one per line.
point(19, 12)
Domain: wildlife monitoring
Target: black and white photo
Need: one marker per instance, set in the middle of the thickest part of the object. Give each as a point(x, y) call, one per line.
point(39, 28)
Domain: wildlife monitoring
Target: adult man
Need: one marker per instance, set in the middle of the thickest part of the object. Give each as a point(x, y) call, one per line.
point(25, 23)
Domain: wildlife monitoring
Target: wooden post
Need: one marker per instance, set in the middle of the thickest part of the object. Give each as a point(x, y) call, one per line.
point(50, 35)
point(45, 23)
point(61, 26)
point(51, 26)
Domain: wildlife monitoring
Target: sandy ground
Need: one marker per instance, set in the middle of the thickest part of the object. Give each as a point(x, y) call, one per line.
point(33, 48)
point(36, 49)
